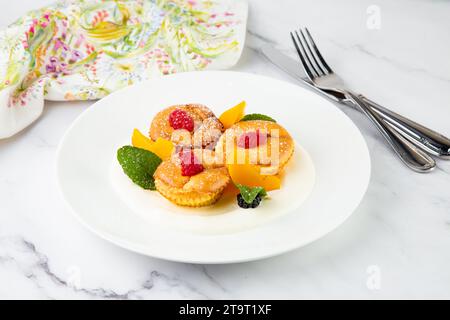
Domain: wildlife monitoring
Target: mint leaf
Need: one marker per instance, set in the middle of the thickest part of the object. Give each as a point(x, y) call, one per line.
point(257, 116)
point(139, 165)
point(249, 194)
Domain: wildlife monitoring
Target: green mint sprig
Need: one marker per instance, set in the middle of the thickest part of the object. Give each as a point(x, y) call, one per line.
point(249, 194)
point(257, 116)
point(139, 165)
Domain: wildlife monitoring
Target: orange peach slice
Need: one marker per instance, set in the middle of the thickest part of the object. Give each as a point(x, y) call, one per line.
point(161, 147)
point(250, 175)
point(233, 115)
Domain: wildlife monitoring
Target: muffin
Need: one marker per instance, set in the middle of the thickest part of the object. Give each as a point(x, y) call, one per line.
point(191, 178)
point(189, 125)
point(257, 142)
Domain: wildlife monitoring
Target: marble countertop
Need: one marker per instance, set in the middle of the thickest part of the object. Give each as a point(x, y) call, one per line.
point(396, 245)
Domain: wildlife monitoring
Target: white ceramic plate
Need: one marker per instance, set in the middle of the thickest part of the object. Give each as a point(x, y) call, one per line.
point(324, 182)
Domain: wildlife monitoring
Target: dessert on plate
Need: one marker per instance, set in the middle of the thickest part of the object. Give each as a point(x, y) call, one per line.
point(191, 156)
point(188, 124)
point(259, 142)
point(186, 180)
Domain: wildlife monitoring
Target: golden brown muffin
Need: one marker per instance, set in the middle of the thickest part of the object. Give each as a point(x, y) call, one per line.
point(201, 189)
point(257, 142)
point(204, 131)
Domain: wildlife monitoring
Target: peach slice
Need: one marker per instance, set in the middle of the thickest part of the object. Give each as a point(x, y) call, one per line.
point(161, 147)
point(138, 140)
point(233, 115)
point(250, 175)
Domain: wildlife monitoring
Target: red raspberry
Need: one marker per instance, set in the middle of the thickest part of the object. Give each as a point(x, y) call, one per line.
point(179, 119)
point(189, 164)
point(251, 139)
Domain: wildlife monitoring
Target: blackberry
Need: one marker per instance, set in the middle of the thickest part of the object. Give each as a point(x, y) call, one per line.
point(246, 205)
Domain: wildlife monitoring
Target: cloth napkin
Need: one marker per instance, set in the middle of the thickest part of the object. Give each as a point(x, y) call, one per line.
point(86, 49)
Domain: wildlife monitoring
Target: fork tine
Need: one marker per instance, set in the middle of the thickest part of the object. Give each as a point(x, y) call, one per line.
point(319, 55)
point(302, 59)
point(317, 65)
point(305, 54)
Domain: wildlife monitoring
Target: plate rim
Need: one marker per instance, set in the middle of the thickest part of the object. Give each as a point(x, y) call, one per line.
point(137, 248)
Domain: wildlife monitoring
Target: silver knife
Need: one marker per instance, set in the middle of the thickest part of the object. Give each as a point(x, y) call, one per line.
point(423, 137)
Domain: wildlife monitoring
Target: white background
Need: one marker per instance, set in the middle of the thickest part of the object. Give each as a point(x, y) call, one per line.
point(396, 245)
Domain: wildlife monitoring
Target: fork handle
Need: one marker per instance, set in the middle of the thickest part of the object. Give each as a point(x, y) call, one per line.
point(413, 157)
point(429, 140)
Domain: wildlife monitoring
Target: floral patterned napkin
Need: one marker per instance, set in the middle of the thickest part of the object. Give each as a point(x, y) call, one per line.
point(86, 49)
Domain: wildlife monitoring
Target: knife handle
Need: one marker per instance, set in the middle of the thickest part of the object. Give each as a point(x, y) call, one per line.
point(430, 140)
point(415, 158)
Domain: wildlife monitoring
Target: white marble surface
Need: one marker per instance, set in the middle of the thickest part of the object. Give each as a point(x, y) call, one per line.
point(396, 245)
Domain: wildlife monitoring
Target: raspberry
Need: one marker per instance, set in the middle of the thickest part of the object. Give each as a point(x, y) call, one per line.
point(179, 119)
point(251, 139)
point(189, 164)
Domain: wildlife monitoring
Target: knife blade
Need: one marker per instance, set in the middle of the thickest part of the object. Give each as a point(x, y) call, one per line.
point(293, 68)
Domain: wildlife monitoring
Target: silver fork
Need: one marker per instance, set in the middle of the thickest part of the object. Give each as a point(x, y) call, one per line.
point(323, 77)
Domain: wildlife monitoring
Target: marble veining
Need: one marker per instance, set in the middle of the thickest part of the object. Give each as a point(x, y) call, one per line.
point(394, 246)
point(23, 256)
